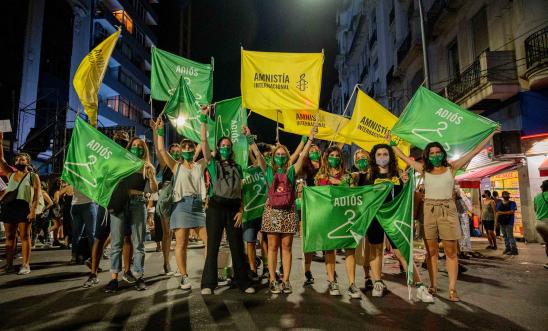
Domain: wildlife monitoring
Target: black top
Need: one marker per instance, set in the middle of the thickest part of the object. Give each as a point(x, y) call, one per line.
point(136, 181)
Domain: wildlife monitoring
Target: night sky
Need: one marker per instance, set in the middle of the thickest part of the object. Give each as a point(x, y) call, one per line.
point(219, 28)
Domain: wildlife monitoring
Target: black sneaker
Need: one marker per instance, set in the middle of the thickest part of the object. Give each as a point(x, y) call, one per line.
point(309, 279)
point(253, 275)
point(368, 284)
point(91, 282)
point(128, 277)
point(111, 287)
point(506, 251)
point(140, 284)
point(275, 287)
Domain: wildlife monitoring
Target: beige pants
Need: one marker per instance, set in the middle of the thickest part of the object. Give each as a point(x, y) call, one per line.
point(441, 220)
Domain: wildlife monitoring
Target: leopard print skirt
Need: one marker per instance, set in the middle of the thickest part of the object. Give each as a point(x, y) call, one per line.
point(279, 220)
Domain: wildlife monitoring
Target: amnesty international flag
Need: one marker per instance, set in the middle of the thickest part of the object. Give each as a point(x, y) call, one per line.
point(166, 70)
point(281, 80)
point(370, 123)
point(329, 124)
point(90, 73)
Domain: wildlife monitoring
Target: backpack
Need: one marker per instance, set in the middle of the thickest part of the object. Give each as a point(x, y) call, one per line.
point(164, 205)
point(226, 182)
point(280, 193)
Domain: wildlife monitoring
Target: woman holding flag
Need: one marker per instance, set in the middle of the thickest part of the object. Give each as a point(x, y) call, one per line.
point(440, 214)
point(280, 218)
point(333, 172)
point(189, 194)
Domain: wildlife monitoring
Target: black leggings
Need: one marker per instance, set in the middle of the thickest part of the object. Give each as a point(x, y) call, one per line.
point(218, 218)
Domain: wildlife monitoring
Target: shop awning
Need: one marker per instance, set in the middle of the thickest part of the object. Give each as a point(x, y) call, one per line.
point(543, 169)
point(472, 179)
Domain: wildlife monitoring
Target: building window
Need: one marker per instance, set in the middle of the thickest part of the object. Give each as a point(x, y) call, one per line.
point(453, 59)
point(480, 32)
point(123, 17)
point(130, 83)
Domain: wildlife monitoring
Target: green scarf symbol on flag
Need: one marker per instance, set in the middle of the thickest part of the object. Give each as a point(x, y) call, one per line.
point(229, 119)
point(168, 68)
point(95, 164)
point(429, 117)
point(329, 212)
point(254, 188)
point(184, 114)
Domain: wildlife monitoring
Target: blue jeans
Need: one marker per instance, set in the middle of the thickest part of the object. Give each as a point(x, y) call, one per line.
point(84, 217)
point(135, 216)
point(507, 231)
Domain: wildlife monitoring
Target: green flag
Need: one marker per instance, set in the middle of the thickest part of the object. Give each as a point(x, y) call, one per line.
point(166, 70)
point(229, 118)
point(396, 218)
point(254, 188)
point(183, 111)
point(95, 164)
point(330, 211)
point(429, 117)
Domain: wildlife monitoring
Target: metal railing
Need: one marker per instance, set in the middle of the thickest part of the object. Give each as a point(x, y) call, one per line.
point(536, 47)
point(465, 82)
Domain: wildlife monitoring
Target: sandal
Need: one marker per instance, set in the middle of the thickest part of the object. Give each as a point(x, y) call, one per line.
point(433, 291)
point(453, 296)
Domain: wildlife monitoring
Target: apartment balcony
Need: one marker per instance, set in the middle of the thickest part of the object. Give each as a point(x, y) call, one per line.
point(536, 55)
point(489, 80)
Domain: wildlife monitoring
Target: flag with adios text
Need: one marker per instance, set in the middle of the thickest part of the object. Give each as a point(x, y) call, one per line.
point(90, 73)
point(430, 117)
point(229, 119)
point(168, 68)
point(271, 80)
point(329, 212)
point(95, 164)
point(254, 189)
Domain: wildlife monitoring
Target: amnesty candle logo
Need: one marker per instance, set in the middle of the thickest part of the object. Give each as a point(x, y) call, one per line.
point(271, 81)
point(302, 84)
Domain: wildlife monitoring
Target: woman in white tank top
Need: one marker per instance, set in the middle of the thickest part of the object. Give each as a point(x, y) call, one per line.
point(440, 214)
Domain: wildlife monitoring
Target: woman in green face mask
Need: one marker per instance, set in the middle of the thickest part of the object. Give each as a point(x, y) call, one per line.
point(333, 172)
point(440, 214)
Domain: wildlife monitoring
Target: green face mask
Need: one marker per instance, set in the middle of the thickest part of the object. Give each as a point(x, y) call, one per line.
point(333, 161)
point(187, 156)
point(361, 164)
point(137, 151)
point(280, 160)
point(225, 152)
point(176, 155)
point(314, 156)
point(436, 159)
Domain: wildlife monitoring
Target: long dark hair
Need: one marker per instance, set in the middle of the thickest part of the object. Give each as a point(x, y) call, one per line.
point(230, 158)
point(324, 165)
point(487, 194)
point(428, 166)
point(374, 170)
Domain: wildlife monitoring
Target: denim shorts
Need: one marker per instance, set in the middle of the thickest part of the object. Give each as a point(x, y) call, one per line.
point(251, 228)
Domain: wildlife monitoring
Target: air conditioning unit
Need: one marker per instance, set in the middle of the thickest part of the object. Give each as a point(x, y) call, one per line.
point(507, 144)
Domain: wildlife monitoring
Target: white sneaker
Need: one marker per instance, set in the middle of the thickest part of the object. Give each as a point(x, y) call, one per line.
point(378, 289)
point(25, 270)
point(334, 289)
point(249, 290)
point(423, 294)
point(207, 291)
point(354, 292)
point(185, 283)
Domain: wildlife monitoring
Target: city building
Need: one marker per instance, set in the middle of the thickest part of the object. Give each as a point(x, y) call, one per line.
point(56, 36)
point(488, 56)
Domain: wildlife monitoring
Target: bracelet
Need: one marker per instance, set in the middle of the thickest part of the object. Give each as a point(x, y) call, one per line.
point(203, 118)
point(251, 139)
point(393, 143)
point(160, 132)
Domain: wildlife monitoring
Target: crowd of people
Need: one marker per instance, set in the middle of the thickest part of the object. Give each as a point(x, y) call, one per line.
point(196, 194)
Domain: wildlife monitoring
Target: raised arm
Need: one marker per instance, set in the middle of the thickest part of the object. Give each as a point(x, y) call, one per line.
point(203, 132)
point(298, 150)
point(304, 153)
point(457, 164)
point(253, 146)
point(3, 164)
point(410, 162)
point(164, 157)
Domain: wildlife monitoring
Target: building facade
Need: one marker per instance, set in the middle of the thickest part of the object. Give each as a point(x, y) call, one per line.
point(57, 36)
point(488, 56)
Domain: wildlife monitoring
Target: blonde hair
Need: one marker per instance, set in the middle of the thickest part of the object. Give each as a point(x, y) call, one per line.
point(146, 154)
point(274, 165)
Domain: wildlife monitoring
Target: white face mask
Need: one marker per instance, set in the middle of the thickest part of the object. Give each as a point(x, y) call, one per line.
point(382, 161)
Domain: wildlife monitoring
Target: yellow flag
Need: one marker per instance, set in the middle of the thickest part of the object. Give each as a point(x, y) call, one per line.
point(272, 114)
point(301, 121)
point(370, 124)
point(281, 80)
point(90, 74)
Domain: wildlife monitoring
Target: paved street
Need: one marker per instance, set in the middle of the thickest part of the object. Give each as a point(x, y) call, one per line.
point(497, 293)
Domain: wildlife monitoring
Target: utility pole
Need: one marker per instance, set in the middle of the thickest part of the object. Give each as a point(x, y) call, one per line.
point(424, 48)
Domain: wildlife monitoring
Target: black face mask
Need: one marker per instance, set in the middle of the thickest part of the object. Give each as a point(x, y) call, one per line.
point(21, 167)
